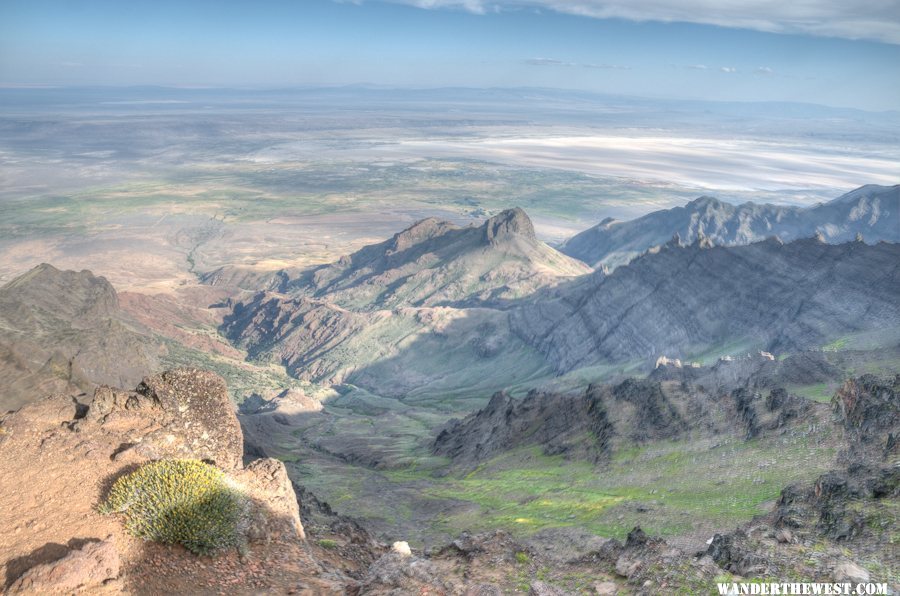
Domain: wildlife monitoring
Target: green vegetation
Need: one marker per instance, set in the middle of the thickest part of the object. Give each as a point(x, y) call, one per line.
point(820, 392)
point(522, 558)
point(242, 378)
point(183, 502)
point(664, 487)
point(327, 543)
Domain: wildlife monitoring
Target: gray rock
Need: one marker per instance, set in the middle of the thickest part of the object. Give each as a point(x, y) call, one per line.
point(539, 588)
point(870, 212)
point(848, 571)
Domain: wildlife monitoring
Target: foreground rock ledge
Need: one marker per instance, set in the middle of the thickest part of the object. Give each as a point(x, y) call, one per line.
point(67, 456)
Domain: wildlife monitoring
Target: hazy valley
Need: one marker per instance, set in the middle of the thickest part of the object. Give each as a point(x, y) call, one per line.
point(480, 321)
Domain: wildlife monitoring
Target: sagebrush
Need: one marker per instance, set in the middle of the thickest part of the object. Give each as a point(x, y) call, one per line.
point(179, 501)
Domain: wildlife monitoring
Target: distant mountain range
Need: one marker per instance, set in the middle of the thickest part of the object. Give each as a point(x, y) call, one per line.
point(438, 307)
point(872, 212)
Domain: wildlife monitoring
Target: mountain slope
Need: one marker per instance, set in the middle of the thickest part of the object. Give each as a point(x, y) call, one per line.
point(64, 331)
point(418, 312)
point(435, 262)
point(685, 301)
point(871, 211)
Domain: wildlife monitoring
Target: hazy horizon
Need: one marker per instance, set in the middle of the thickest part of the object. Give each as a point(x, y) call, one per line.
point(825, 53)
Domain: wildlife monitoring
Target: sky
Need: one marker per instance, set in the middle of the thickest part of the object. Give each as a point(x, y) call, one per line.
point(834, 52)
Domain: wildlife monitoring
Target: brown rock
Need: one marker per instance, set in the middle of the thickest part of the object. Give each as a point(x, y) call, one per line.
point(274, 507)
point(199, 418)
point(83, 569)
point(784, 536)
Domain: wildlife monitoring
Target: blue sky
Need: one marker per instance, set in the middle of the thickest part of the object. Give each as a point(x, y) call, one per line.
point(832, 52)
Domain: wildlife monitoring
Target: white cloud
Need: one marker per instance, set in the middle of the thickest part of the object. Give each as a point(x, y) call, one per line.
point(728, 69)
point(555, 62)
point(547, 62)
point(606, 66)
point(697, 66)
point(877, 20)
point(764, 70)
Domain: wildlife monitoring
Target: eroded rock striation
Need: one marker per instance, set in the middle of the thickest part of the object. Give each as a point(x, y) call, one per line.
point(682, 300)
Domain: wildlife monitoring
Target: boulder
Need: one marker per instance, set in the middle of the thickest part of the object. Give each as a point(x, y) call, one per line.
point(274, 510)
point(539, 588)
point(848, 571)
point(80, 570)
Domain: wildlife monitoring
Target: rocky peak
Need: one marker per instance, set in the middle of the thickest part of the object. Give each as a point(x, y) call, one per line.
point(506, 224)
point(706, 203)
point(869, 410)
point(420, 231)
point(69, 294)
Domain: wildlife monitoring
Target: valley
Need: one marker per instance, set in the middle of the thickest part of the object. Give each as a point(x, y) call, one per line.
point(476, 327)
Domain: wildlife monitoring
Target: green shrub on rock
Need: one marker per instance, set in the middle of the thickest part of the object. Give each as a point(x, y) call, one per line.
point(185, 502)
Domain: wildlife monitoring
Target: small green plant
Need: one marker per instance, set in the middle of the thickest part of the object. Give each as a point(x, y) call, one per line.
point(185, 502)
point(328, 543)
point(522, 558)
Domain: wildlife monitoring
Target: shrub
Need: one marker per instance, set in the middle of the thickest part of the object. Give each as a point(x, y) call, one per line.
point(327, 543)
point(522, 558)
point(183, 502)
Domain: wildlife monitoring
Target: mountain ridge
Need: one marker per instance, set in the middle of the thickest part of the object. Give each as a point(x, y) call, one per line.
point(871, 211)
point(679, 300)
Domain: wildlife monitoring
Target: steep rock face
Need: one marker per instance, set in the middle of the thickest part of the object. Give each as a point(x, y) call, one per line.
point(64, 331)
point(605, 418)
point(560, 423)
point(869, 409)
point(681, 301)
point(299, 332)
point(870, 211)
point(856, 504)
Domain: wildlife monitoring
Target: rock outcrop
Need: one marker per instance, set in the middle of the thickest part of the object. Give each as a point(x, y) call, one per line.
point(604, 418)
point(189, 411)
point(66, 457)
point(561, 424)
